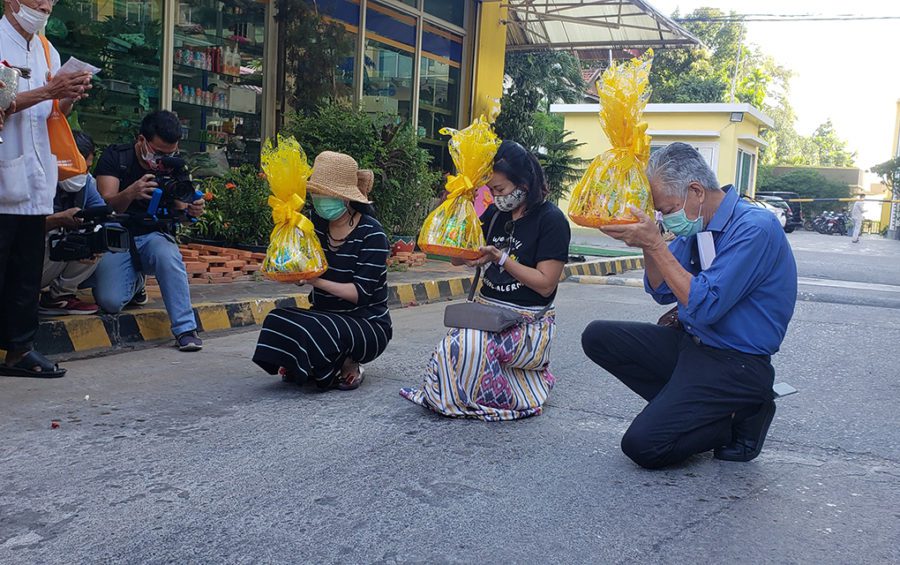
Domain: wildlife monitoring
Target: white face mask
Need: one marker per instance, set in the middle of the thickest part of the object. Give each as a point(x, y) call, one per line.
point(511, 201)
point(31, 20)
point(73, 184)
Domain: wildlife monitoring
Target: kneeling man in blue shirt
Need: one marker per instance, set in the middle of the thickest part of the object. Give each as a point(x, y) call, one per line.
point(707, 377)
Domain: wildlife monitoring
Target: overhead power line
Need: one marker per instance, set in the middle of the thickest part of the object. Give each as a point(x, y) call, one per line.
point(738, 18)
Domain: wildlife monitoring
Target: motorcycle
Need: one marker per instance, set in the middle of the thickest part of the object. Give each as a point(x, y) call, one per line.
point(829, 223)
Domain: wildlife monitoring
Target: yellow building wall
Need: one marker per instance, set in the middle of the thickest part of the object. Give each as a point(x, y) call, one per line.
point(586, 128)
point(895, 151)
point(490, 57)
point(886, 212)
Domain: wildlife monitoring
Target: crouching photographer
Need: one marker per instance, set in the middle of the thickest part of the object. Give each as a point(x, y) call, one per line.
point(81, 228)
point(149, 183)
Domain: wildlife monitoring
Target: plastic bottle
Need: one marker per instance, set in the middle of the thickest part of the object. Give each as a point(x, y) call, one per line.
point(235, 61)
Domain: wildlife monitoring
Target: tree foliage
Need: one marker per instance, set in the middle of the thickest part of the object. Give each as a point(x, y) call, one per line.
point(557, 153)
point(708, 74)
point(532, 83)
point(316, 51)
point(808, 184)
point(889, 171)
point(405, 182)
point(831, 150)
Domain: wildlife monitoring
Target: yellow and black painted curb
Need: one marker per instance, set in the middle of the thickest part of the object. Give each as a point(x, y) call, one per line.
point(85, 335)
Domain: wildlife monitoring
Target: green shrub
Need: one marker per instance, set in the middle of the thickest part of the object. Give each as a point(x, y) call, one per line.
point(808, 184)
point(404, 180)
point(237, 211)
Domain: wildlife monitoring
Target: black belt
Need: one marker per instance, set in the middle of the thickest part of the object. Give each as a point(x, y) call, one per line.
point(697, 341)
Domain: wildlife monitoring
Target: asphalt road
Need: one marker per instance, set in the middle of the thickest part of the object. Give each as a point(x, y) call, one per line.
point(164, 457)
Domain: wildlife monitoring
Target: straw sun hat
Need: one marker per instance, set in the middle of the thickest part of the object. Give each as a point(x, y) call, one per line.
point(338, 175)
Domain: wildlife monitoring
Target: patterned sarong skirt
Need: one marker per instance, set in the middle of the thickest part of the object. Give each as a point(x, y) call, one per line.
point(490, 376)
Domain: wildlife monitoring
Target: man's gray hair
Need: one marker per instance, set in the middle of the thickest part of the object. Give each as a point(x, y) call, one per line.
point(677, 165)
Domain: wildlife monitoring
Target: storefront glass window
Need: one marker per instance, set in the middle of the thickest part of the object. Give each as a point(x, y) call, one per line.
point(346, 14)
point(439, 86)
point(218, 76)
point(390, 52)
point(452, 11)
point(122, 38)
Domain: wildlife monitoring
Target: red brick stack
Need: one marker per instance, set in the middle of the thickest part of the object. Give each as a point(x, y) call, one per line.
point(206, 264)
point(408, 259)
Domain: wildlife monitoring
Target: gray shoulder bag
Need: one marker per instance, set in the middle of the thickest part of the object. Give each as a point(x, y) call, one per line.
point(484, 317)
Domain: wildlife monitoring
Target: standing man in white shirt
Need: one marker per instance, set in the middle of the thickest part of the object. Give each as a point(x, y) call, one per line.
point(857, 213)
point(28, 175)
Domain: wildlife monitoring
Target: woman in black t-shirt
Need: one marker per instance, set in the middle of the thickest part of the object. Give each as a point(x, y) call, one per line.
point(505, 376)
point(349, 323)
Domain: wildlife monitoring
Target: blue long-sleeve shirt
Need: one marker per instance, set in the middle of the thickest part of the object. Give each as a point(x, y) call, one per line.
point(87, 197)
point(746, 298)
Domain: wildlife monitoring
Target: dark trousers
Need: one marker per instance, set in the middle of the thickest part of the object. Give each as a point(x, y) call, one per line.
point(692, 389)
point(21, 264)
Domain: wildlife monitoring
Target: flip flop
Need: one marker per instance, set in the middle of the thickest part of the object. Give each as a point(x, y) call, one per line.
point(25, 367)
point(354, 384)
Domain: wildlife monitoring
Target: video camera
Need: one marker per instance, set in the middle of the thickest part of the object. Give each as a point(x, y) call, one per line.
point(97, 234)
point(176, 185)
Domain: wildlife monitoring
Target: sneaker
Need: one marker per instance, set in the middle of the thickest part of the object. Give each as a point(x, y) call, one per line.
point(188, 341)
point(65, 306)
point(140, 297)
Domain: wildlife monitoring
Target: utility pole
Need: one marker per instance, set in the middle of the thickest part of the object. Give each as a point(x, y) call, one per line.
point(737, 63)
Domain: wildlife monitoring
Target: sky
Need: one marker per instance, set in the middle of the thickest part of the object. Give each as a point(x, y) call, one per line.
point(847, 71)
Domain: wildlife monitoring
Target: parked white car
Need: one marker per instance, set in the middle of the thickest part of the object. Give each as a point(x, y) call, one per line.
point(779, 212)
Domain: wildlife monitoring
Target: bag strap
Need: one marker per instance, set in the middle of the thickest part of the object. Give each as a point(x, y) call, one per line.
point(46, 44)
point(478, 270)
point(125, 154)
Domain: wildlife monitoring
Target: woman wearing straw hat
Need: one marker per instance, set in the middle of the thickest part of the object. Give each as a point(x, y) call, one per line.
point(349, 323)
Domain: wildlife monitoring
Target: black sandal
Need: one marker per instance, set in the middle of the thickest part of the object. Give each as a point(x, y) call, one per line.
point(26, 367)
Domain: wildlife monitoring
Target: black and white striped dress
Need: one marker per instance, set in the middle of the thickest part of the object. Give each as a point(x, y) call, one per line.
point(315, 343)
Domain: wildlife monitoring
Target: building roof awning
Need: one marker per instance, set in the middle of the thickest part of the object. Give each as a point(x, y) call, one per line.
point(712, 108)
point(753, 140)
point(590, 24)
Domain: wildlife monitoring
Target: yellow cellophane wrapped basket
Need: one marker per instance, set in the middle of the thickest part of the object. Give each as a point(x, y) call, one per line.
point(453, 229)
point(294, 253)
point(615, 179)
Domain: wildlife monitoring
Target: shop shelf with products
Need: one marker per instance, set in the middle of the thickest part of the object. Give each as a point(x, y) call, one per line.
point(218, 76)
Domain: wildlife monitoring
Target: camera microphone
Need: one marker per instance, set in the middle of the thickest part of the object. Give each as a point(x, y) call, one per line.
point(172, 163)
point(94, 213)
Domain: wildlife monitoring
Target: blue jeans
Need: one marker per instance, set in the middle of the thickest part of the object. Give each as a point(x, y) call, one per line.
point(116, 279)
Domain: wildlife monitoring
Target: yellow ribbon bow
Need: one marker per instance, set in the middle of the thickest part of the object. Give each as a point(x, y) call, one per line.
point(287, 211)
point(460, 185)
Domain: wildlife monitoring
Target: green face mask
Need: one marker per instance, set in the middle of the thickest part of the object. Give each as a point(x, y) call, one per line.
point(329, 208)
point(678, 223)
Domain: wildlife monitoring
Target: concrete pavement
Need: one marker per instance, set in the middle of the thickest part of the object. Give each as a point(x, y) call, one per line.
point(163, 457)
